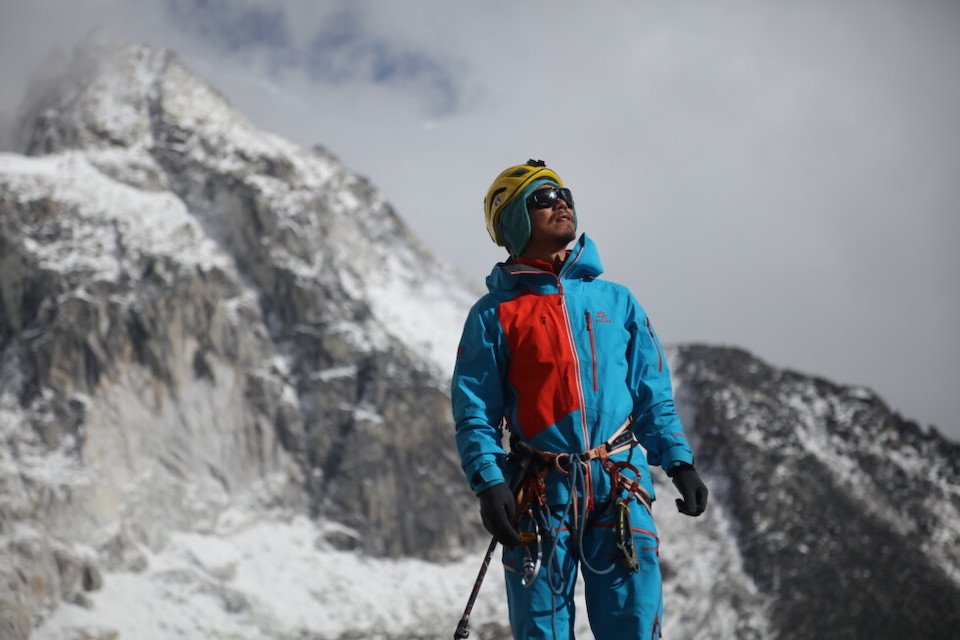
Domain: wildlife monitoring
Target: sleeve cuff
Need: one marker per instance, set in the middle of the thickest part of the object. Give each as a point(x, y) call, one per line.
point(678, 467)
point(486, 476)
point(675, 458)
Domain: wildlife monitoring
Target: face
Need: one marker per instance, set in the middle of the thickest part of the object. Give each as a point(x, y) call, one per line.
point(552, 226)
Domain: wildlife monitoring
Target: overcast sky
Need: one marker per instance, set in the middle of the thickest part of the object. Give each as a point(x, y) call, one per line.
point(778, 176)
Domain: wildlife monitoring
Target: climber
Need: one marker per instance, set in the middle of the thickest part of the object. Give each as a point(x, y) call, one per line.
point(571, 366)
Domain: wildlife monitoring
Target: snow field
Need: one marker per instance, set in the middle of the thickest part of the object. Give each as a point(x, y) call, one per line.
point(278, 579)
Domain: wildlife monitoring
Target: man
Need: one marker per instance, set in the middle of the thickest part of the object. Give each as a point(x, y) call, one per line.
point(572, 366)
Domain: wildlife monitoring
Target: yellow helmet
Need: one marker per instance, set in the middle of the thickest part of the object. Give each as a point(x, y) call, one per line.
point(507, 186)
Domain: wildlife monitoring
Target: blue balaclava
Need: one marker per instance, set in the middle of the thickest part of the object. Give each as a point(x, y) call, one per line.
point(515, 220)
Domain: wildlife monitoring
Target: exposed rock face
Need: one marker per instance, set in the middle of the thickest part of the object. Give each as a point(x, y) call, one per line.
point(192, 310)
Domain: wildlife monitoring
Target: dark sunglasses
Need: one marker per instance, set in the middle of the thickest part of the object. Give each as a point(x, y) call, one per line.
point(543, 198)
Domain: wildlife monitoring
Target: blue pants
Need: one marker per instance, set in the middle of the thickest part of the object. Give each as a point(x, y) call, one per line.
point(620, 604)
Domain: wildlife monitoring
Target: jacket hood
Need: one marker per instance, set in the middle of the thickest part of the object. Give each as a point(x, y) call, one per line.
point(583, 263)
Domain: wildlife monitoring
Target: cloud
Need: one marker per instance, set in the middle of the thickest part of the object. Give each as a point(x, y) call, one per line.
point(344, 49)
point(335, 45)
point(232, 25)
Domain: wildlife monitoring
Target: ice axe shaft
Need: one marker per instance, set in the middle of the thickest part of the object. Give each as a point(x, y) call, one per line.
point(462, 630)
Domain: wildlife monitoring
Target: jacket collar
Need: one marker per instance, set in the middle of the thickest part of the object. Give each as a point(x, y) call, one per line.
point(582, 263)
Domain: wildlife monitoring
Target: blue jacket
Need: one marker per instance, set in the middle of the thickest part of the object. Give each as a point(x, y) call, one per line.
point(565, 360)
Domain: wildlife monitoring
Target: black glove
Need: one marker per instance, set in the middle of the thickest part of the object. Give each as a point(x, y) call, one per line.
point(691, 487)
point(498, 510)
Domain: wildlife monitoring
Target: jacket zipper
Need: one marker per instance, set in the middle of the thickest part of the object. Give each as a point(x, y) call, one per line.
point(588, 476)
point(593, 350)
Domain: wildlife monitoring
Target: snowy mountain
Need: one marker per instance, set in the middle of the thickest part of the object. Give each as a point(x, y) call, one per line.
point(224, 413)
point(193, 312)
point(846, 515)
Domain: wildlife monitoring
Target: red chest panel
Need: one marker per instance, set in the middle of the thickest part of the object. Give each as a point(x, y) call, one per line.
point(543, 367)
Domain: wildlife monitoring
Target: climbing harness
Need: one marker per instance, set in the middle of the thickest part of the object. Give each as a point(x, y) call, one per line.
point(532, 496)
point(535, 516)
point(625, 486)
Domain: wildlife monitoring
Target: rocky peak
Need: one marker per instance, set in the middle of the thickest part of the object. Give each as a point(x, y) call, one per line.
point(846, 515)
point(193, 311)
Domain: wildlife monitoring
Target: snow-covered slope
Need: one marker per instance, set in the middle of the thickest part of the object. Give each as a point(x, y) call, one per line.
point(252, 577)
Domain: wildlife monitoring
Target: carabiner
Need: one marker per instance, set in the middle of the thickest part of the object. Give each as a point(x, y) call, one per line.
point(531, 568)
point(625, 538)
